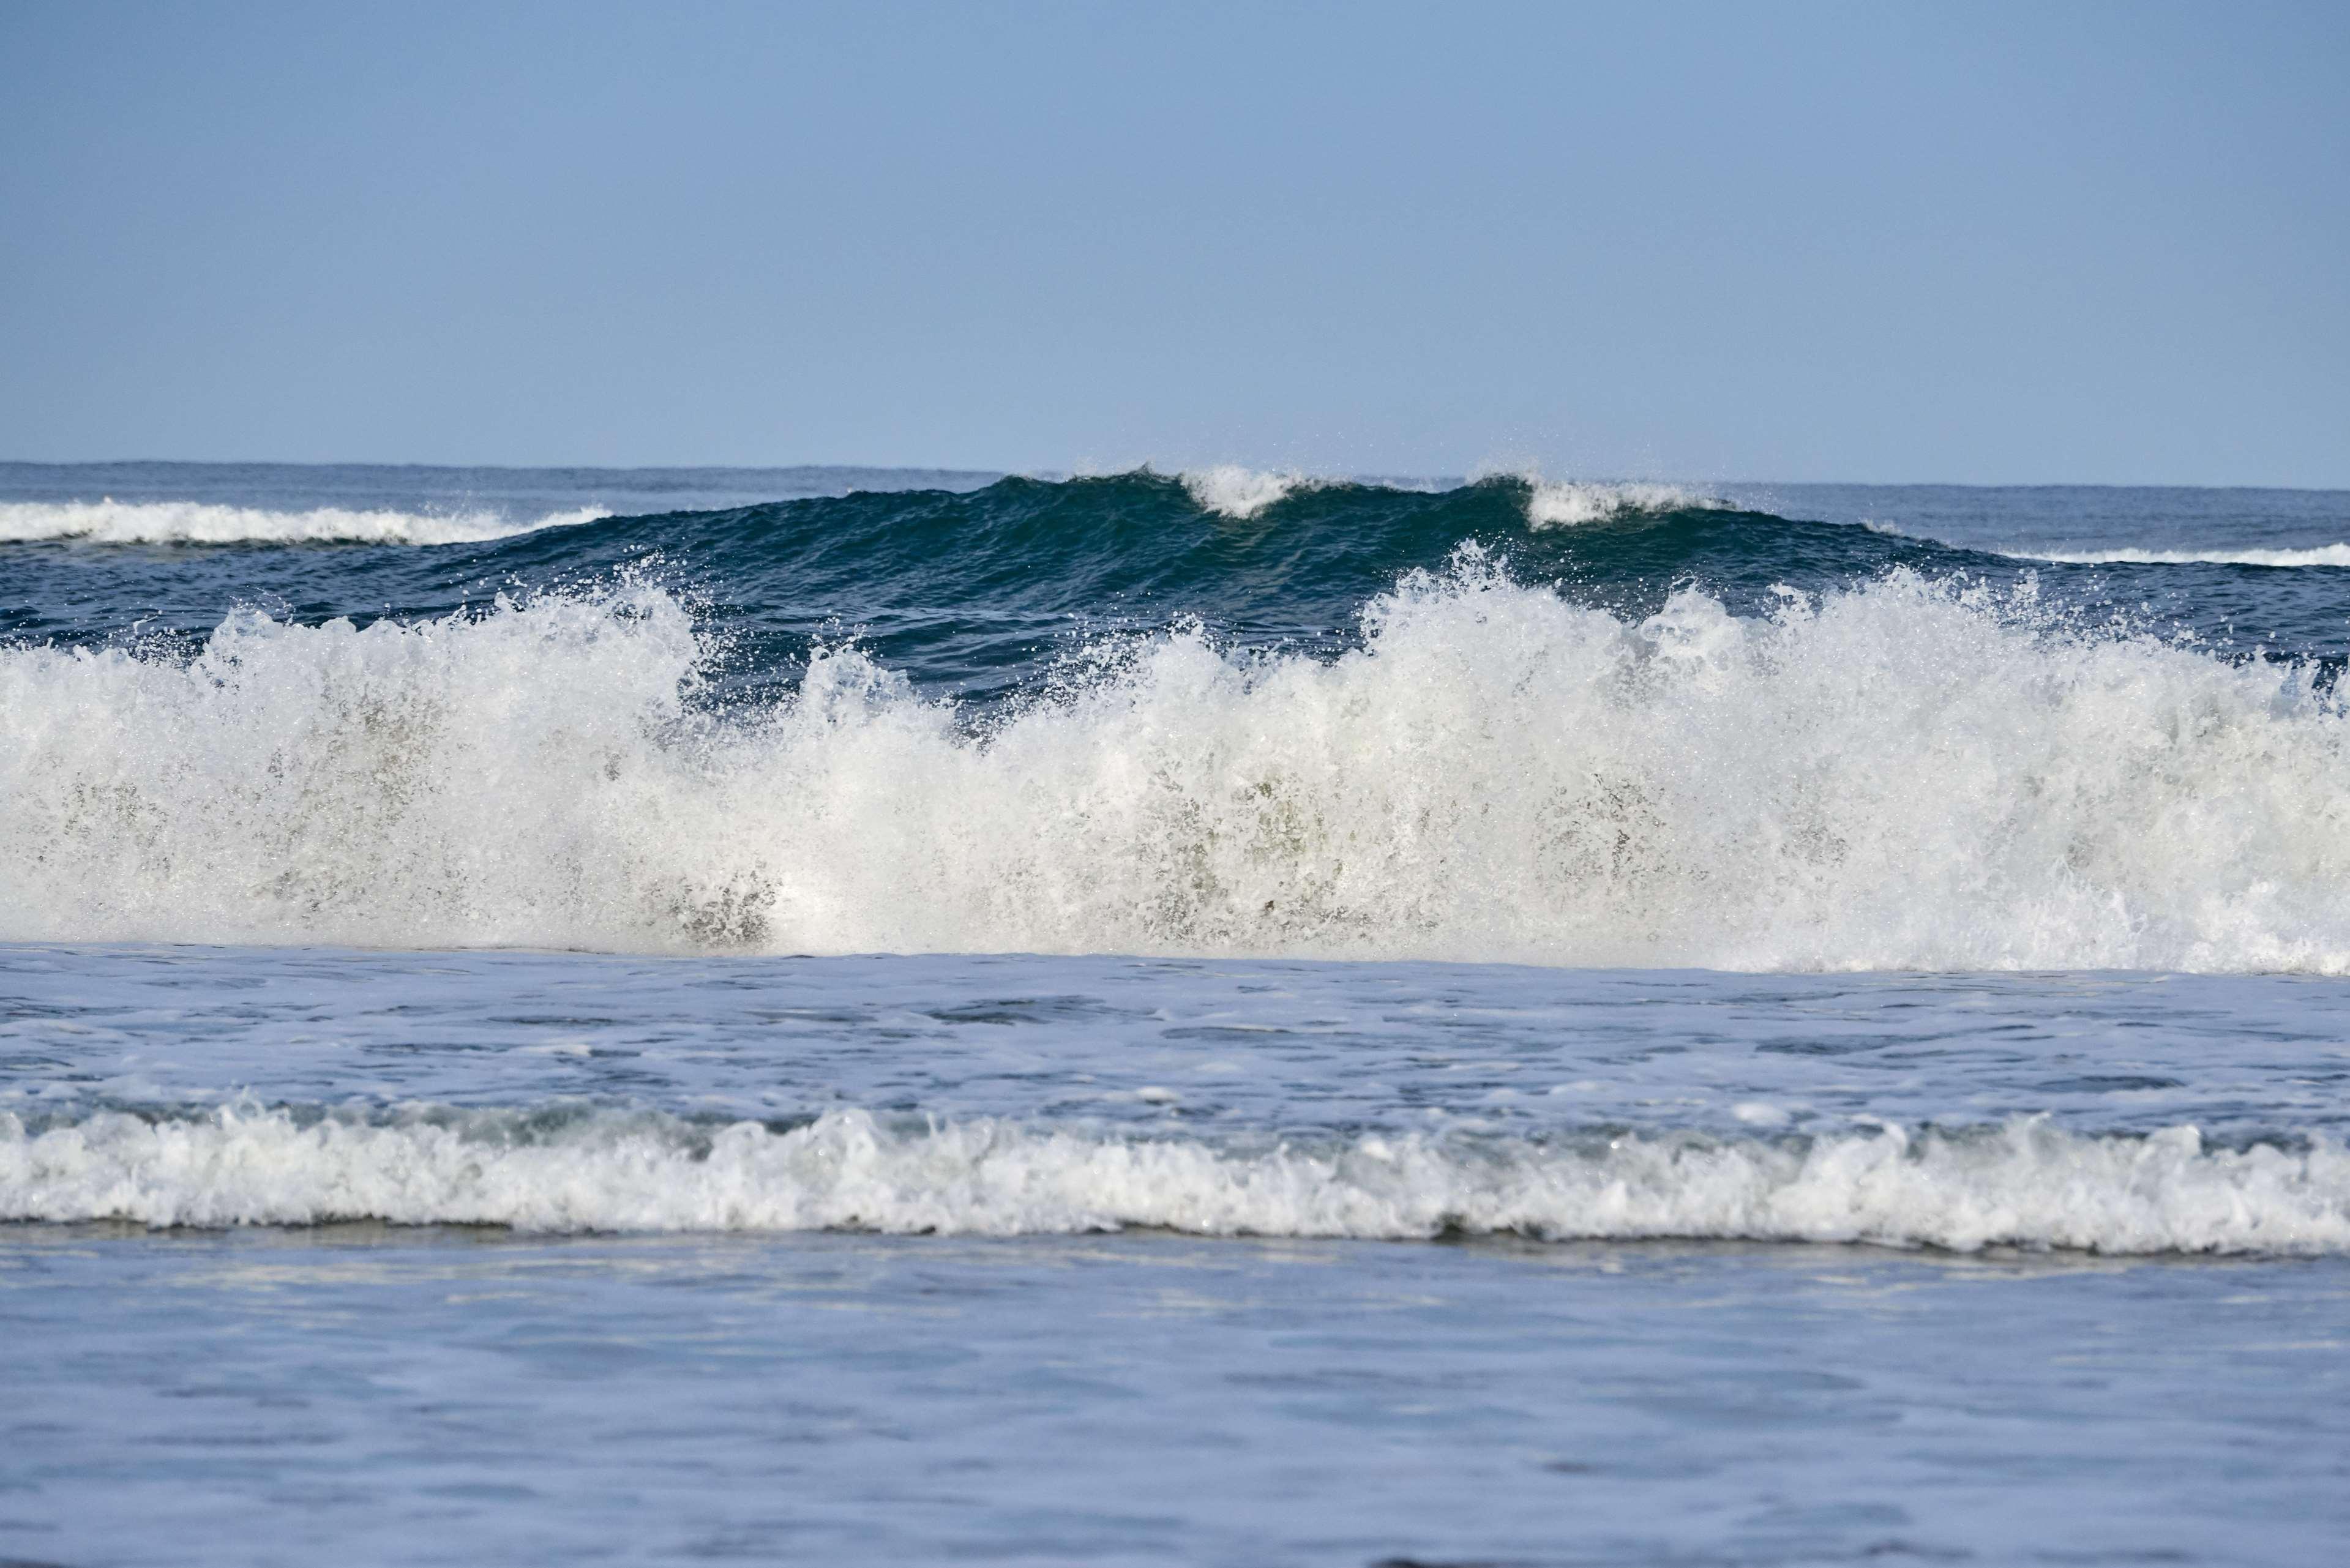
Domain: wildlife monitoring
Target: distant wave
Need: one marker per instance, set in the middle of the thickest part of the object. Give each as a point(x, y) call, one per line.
point(1906, 774)
point(2317, 556)
point(2023, 1184)
point(111, 522)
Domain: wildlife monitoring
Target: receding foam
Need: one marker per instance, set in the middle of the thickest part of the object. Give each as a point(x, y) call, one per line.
point(2023, 1184)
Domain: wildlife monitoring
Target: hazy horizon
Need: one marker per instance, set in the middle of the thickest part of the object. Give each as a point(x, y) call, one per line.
point(1172, 470)
point(1833, 244)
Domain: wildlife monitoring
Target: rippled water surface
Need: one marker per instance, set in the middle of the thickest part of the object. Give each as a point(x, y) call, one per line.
point(355, 1394)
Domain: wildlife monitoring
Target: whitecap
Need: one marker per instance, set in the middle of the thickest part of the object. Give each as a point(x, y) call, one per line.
point(111, 522)
point(1231, 491)
point(1906, 774)
point(2337, 555)
point(2023, 1184)
point(1570, 503)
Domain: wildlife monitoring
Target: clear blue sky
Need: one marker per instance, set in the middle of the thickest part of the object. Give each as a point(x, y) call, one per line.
point(1870, 242)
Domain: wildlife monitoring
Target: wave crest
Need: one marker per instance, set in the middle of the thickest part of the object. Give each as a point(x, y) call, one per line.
point(1571, 504)
point(1231, 491)
point(2025, 1184)
point(111, 522)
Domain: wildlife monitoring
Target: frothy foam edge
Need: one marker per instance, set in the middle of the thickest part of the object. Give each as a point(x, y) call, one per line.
point(2025, 1184)
point(1906, 775)
point(2317, 556)
point(1572, 504)
point(111, 522)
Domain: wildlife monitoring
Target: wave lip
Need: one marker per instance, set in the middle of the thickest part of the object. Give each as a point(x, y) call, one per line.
point(2023, 1184)
point(2337, 555)
point(1231, 491)
point(111, 522)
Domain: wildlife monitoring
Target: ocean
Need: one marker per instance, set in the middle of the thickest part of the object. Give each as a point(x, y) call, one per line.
point(1223, 1018)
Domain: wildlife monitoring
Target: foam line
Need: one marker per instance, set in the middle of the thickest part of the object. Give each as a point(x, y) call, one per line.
point(2317, 556)
point(2023, 1184)
point(111, 522)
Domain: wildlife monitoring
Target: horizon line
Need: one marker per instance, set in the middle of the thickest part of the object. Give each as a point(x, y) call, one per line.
point(1058, 475)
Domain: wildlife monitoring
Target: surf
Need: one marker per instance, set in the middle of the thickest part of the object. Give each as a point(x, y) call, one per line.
point(2022, 1183)
point(1909, 774)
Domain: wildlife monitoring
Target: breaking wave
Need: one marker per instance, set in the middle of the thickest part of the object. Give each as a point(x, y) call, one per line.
point(1909, 774)
point(2315, 555)
point(111, 522)
point(1231, 491)
point(1569, 504)
point(2023, 1184)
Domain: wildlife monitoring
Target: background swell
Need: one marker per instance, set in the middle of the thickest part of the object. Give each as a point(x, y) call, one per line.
point(978, 592)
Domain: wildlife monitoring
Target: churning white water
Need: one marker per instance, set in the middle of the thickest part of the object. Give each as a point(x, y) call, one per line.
point(2025, 1184)
point(1910, 775)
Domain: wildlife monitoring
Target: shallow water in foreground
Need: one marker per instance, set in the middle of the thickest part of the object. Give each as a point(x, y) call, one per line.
point(360, 1394)
point(1029, 1383)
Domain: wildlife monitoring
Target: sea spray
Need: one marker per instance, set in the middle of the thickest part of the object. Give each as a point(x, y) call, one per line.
point(1233, 492)
point(1911, 774)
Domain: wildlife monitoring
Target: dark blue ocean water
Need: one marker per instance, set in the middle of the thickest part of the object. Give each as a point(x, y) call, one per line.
point(823, 1015)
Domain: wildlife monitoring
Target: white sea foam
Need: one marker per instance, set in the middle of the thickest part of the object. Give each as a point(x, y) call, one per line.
point(2025, 1184)
point(111, 522)
point(1568, 503)
point(1907, 776)
point(2315, 555)
point(1231, 491)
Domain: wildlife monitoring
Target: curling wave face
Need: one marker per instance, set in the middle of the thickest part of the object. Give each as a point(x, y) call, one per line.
point(1906, 773)
point(2022, 1183)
